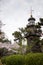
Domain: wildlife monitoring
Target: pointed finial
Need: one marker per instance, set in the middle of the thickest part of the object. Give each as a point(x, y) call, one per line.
point(31, 11)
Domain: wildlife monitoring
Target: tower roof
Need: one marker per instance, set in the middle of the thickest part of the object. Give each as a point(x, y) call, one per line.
point(31, 18)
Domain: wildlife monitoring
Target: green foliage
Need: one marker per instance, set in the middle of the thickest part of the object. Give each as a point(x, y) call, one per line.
point(13, 60)
point(42, 41)
point(17, 34)
point(2, 37)
point(22, 30)
point(3, 51)
point(1, 40)
point(0, 62)
point(34, 59)
point(6, 40)
point(29, 59)
point(18, 37)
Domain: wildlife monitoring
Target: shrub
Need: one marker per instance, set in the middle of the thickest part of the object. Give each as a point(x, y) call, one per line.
point(34, 59)
point(0, 62)
point(30, 59)
point(3, 52)
point(13, 60)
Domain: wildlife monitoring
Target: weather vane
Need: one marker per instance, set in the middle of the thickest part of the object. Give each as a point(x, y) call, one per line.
point(31, 11)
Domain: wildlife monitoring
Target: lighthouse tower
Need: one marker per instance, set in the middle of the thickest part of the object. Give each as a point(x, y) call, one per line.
point(33, 34)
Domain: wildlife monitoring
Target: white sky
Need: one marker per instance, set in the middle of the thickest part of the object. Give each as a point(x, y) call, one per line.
point(14, 13)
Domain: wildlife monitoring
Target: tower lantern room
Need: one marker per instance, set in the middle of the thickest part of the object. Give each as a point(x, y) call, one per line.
point(31, 20)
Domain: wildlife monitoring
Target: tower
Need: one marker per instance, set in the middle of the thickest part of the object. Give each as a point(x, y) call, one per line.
point(30, 30)
point(33, 34)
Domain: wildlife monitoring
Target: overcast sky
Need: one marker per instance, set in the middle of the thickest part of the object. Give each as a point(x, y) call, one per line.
point(14, 13)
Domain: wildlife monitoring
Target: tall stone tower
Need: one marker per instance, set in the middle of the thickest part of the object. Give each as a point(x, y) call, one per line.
point(30, 29)
point(33, 34)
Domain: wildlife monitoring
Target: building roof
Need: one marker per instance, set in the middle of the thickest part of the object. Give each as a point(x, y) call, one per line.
point(31, 18)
